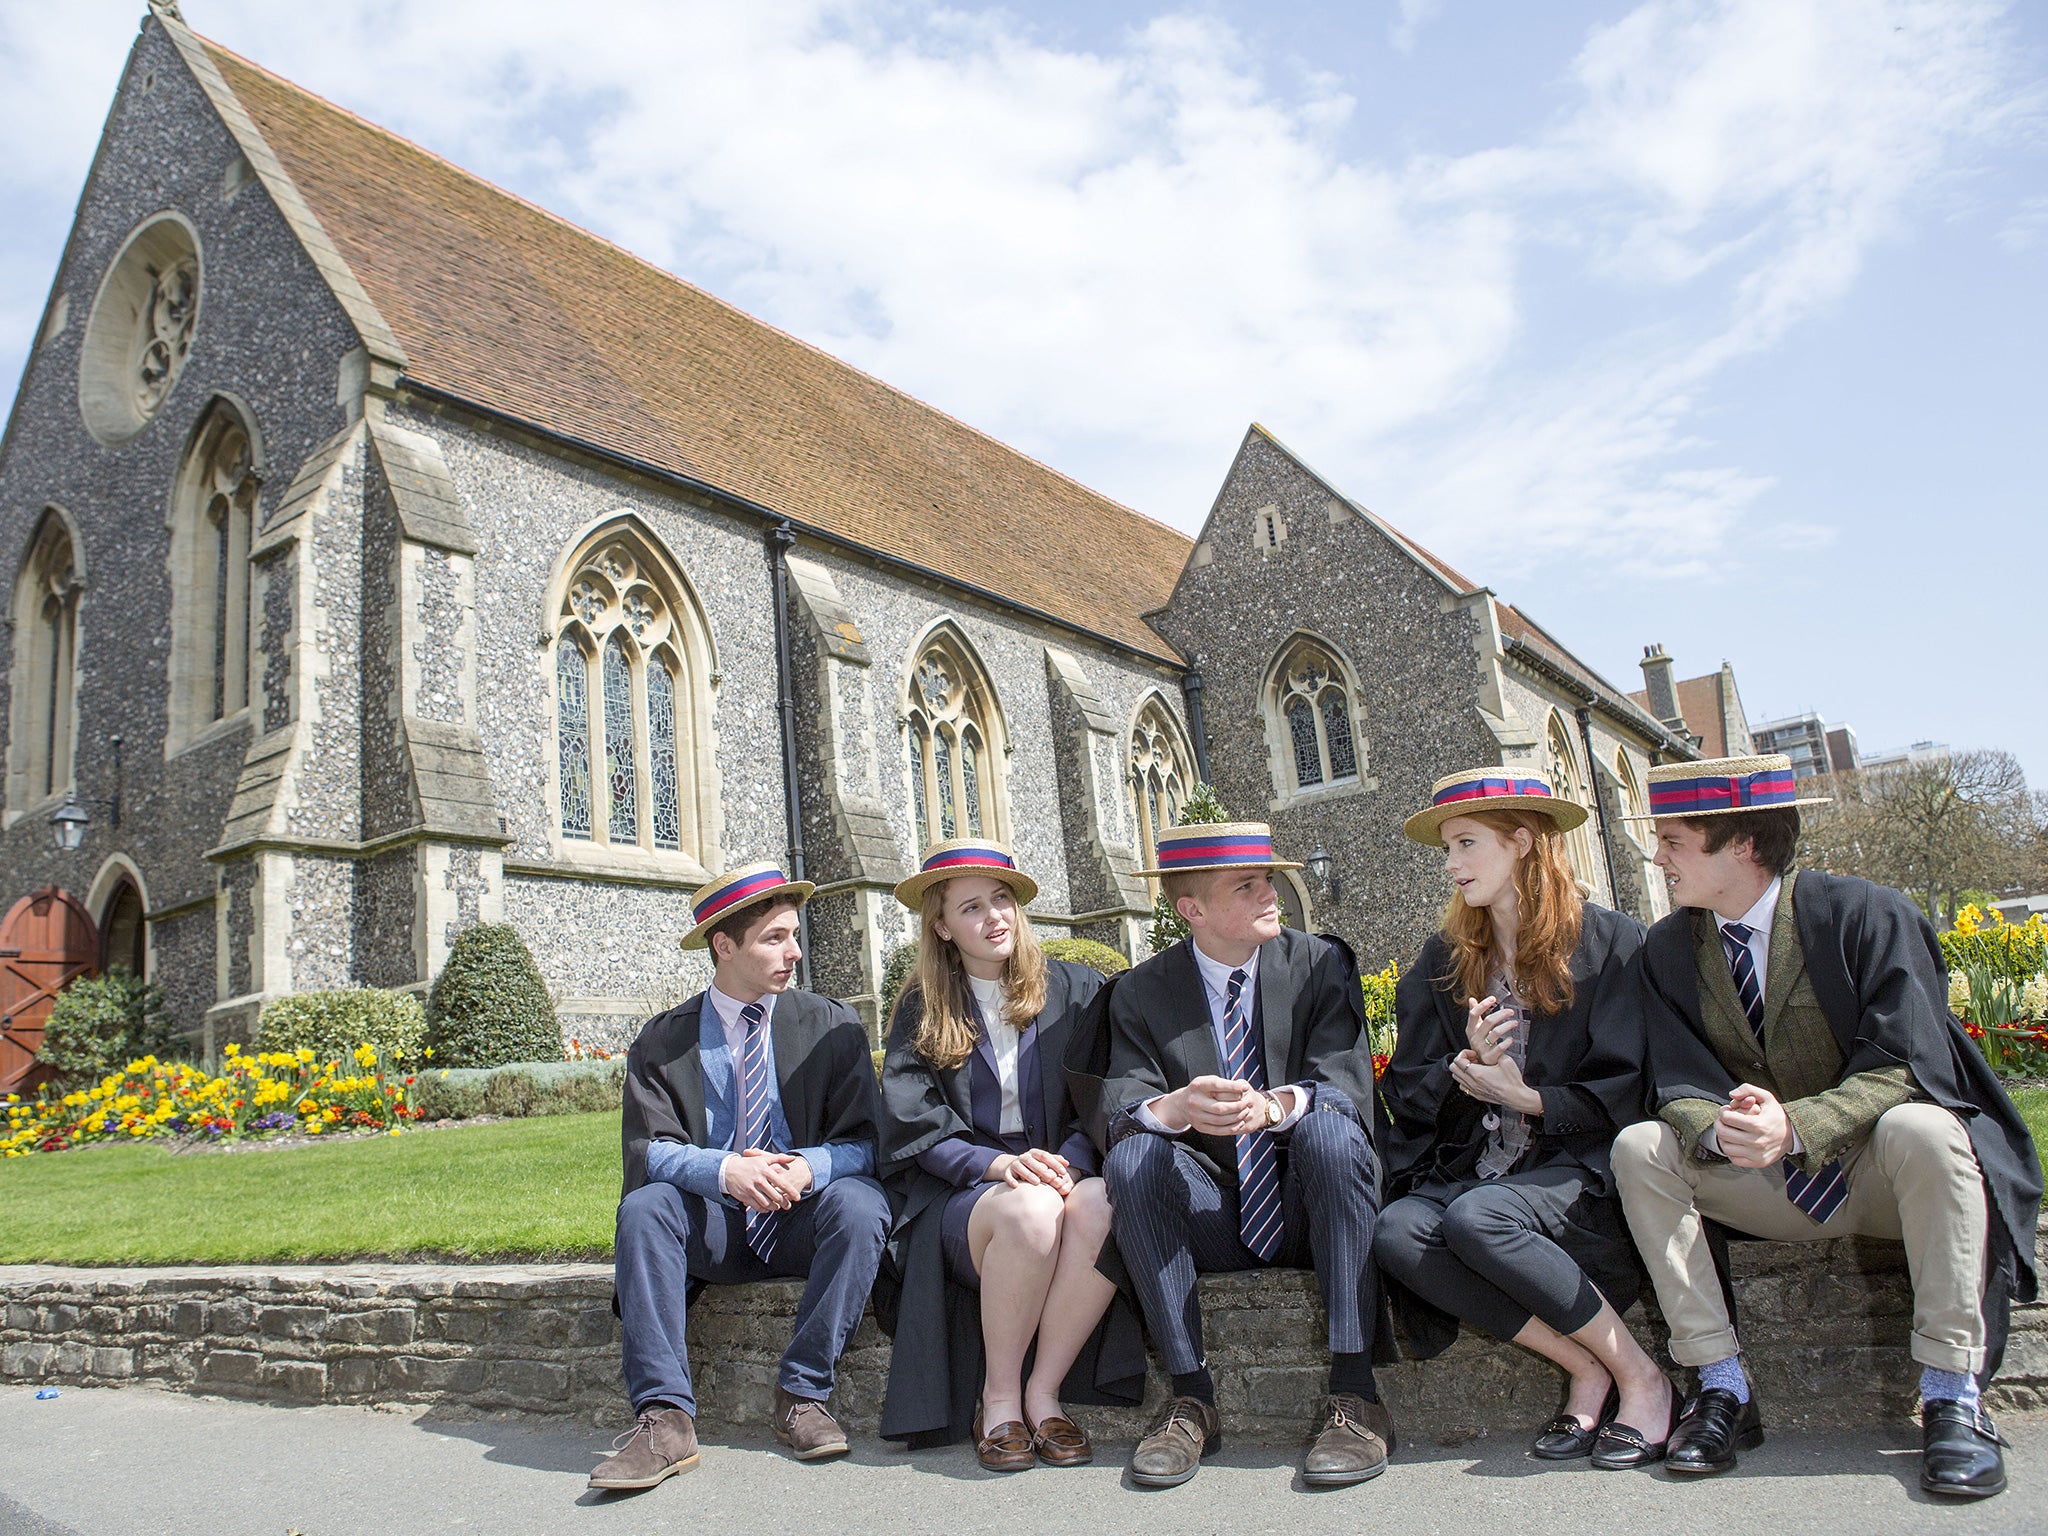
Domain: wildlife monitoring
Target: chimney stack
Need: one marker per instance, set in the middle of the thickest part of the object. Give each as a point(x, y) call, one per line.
point(1663, 692)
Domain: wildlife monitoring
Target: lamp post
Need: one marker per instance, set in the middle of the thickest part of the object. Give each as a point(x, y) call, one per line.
point(68, 823)
point(1320, 864)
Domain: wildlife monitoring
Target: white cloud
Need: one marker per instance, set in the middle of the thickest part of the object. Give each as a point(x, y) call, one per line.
point(1116, 258)
point(1410, 17)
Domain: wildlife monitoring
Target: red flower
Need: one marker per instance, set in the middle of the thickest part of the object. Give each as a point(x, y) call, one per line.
point(1379, 1065)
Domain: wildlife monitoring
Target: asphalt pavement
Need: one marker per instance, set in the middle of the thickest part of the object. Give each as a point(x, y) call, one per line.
point(110, 1462)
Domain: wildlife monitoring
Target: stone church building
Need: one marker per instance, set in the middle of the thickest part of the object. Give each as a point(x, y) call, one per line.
point(390, 555)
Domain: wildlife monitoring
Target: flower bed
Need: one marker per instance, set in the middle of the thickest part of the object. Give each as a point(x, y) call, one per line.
point(1998, 987)
point(254, 1094)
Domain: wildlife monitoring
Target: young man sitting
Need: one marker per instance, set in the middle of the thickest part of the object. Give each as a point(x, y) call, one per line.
point(1810, 1083)
point(750, 1124)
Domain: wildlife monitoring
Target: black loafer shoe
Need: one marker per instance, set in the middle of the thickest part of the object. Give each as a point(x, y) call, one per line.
point(1564, 1438)
point(1959, 1455)
point(1623, 1447)
point(1712, 1429)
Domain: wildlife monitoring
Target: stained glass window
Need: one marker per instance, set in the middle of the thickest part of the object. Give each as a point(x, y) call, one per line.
point(621, 778)
point(953, 738)
point(572, 737)
point(917, 800)
point(1301, 726)
point(1337, 731)
point(222, 533)
point(661, 756)
point(942, 758)
point(968, 786)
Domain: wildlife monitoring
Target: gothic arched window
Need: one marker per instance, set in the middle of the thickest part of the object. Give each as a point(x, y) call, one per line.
point(213, 518)
point(954, 740)
point(1635, 803)
point(1162, 775)
point(1312, 698)
point(45, 610)
point(1562, 764)
point(632, 699)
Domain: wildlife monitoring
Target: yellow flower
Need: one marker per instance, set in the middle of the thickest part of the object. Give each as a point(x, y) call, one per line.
point(395, 1131)
point(304, 1053)
point(366, 1056)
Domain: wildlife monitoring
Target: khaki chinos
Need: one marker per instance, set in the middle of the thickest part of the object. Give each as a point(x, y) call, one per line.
point(1913, 1180)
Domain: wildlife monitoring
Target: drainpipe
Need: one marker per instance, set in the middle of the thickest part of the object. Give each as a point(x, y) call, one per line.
point(1585, 714)
point(780, 538)
point(1191, 690)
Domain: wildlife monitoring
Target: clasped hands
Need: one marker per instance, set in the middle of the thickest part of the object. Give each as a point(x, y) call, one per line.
point(1215, 1106)
point(1484, 1069)
point(1752, 1129)
point(767, 1181)
point(1033, 1166)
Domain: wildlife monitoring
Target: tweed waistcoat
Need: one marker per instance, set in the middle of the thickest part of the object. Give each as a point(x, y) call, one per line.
point(1799, 1056)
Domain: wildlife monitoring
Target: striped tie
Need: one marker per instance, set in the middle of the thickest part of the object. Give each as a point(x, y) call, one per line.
point(1258, 1169)
point(757, 1096)
point(1817, 1194)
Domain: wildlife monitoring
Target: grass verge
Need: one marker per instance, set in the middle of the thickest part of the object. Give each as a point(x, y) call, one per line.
point(2033, 1105)
point(541, 1189)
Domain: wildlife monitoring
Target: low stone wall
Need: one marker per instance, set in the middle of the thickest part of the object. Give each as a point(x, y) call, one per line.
point(1825, 1326)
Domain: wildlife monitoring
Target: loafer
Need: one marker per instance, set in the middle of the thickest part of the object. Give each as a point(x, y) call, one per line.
point(806, 1428)
point(661, 1443)
point(1351, 1444)
point(1959, 1451)
point(1006, 1448)
point(1712, 1429)
point(1622, 1447)
point(1564, 1438)
point(1172, 1450)
point(1060, 1442)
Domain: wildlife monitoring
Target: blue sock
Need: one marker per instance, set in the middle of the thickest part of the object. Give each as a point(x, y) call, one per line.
point(1727, 1375)
point(1948, 1386)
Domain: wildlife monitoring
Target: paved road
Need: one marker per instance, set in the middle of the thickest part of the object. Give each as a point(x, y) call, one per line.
point(145, 1461)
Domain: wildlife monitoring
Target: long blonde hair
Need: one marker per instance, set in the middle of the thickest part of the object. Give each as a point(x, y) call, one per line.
point(947, 1033)
point(1547, 897)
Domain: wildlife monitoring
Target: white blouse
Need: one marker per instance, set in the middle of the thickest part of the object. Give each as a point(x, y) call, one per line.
point(1003, 1040)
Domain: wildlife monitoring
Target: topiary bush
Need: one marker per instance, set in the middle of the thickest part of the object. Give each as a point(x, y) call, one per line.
point(333, 1022)
point(99, 1024)
point(1086, 952)
point(489, 1005)
point(895, 977)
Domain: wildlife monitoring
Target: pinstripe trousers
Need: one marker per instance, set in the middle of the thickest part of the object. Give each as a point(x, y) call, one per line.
point(1174, 1220)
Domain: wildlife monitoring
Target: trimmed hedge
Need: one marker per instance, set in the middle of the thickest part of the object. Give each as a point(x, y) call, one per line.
point(489, 1005)
point(333, 1022)
point(522, 1088)
point(99, 1024)
point(895, 977)
point(1086, 952)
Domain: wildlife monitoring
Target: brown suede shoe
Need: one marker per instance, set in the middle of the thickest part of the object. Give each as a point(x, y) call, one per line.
point(807, 1429)
point(1352, 1443)
point(1006, 1448)
point(661, 1443)
point(1060, 1442)
point(1172, 1453)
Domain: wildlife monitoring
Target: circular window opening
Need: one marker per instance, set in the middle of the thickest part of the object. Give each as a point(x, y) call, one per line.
point(140, 330)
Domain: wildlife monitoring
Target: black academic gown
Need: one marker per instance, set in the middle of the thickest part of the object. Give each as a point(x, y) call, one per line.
point(935, 1370)
point(1878, 975)
point(1588, 1061)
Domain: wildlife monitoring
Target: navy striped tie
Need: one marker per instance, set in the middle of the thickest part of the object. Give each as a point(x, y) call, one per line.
point(757, 1097)
point(1817, 1194)
point(1258, 1168)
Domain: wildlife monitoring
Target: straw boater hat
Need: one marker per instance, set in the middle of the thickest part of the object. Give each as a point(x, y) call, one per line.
point(1217, 845)
point(735, 889)
point(1491, 789)
point(1721, 786)
point(966, 856)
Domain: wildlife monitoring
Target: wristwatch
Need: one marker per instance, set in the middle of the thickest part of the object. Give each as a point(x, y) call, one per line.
point(1274, 1112)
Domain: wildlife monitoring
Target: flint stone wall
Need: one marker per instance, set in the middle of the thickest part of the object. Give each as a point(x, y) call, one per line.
point(1826, 1327)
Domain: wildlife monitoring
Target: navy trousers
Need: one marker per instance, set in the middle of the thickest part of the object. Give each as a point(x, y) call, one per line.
point(1173, 1221)
point(667, 1238)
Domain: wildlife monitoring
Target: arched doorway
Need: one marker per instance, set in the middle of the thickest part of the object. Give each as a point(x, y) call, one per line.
point(47, 940)
point(123, 939)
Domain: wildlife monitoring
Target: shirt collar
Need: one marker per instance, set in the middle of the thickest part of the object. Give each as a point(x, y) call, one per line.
point(1758, 918)
point(728, 1008)
point(1216, 975)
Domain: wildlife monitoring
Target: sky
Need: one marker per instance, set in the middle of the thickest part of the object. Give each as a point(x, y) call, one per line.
point(1718, 325)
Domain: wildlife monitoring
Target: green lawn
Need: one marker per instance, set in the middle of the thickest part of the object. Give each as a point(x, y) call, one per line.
point(2033, 1103)
point(540, 1188)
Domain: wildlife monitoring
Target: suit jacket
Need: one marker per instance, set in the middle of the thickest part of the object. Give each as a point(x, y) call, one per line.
point(1587, 1060)
point(822, 1068)
point(1150, 1033)
point(935, 1369)
point(1878, 975)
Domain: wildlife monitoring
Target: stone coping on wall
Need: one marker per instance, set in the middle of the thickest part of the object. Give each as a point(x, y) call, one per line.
point(1825, 1327)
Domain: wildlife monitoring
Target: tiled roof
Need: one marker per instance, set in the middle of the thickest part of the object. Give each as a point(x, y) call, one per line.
point(1517, 625)
point(502, 304)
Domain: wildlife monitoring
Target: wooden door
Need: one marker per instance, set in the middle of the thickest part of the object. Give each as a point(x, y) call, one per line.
point(47, 940)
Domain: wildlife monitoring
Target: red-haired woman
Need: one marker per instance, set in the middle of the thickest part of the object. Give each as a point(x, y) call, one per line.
point(1002, 1215)
point(1520, 1056)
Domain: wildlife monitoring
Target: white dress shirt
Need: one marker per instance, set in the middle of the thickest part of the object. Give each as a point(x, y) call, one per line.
point(1216, 984)
point(1003, 1042)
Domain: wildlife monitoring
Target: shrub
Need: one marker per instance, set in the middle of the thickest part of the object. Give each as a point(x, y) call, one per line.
point(1086, 952)
point(101, 1023)
point(489, 1005)
point(332, 1023)
point(895, 976)
point(523, 1088)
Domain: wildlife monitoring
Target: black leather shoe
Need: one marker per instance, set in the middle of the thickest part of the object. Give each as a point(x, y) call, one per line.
point(1564, 1438)
point(1712, 1429)
point(1959, 1454)
point(1622, 1447)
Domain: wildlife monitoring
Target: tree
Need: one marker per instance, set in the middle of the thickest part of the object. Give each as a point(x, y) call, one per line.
point(1934, 828)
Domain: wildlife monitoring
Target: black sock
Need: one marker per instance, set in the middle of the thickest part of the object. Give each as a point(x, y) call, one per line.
point(1196, 1384)
point(1353, 1374)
